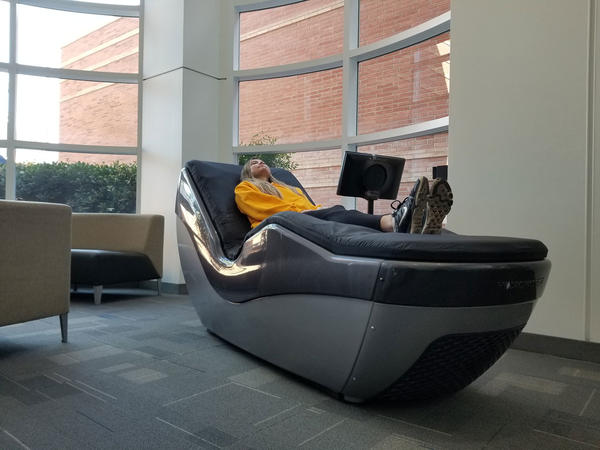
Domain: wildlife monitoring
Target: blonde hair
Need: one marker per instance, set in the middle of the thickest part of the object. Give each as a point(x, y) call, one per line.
point(265, 185)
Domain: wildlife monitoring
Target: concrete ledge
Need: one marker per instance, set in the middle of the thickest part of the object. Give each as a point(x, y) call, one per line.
point(565, 348)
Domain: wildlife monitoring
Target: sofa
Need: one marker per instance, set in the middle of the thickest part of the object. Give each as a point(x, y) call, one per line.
point(34, 262)
point(116, 248)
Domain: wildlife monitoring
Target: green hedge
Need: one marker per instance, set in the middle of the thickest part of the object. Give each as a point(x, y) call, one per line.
point(85, 187)
point(281, 160)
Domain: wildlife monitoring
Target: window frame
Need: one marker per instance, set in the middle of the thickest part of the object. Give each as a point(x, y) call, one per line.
point(13, 69)
point(348, 60)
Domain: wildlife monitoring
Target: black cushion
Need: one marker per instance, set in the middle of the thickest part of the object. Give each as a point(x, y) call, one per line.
point(99, 267)
point(353, 240)
point(216, 183)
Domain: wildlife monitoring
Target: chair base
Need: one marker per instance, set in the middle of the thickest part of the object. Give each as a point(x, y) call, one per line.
point(64, 322)
point(97, 294)
point(358, 349)
point(98, 288)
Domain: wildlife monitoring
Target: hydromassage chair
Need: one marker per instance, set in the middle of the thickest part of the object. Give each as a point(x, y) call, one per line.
point(363, 313)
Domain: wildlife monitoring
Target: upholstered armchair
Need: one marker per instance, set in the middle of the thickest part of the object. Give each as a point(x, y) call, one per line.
point(35, 262)
point(116, 248)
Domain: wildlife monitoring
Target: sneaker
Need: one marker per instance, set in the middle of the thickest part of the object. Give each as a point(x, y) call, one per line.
point(419, 193)
point(402, 213)
point(438, 206)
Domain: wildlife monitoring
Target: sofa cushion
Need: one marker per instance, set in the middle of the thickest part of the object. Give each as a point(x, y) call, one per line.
point(100, 267)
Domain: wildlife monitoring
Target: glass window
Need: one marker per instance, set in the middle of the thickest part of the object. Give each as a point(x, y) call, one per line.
point(421, 154)
point(2, 173)
point(293, 109)
point(380, 19)
point(404, 87)
point(103, 183)
point(288, 34)
point(52, 38)
point(3, 104)
point(4, 30)
point(76, 112)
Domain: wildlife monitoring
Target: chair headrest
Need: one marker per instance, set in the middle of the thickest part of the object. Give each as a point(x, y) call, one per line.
point(215, 183)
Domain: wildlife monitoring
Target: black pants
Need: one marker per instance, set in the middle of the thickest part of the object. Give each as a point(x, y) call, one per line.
point(339, 214)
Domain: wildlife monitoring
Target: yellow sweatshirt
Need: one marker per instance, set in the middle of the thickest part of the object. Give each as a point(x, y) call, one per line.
point(258, 206)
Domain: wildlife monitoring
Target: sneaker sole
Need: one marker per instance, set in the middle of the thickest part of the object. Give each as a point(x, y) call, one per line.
point(438, 206)
point(416, 224)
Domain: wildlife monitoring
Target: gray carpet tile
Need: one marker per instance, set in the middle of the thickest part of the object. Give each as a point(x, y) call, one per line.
point(142, 372)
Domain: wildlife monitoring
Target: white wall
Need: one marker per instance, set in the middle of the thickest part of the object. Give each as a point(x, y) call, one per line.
point(594, 204)
point(519, 144)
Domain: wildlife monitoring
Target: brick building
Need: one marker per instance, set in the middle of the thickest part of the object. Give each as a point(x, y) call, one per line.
point(395, 90)
point(94, 113)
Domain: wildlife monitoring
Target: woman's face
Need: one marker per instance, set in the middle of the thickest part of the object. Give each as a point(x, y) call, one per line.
point(259, 169)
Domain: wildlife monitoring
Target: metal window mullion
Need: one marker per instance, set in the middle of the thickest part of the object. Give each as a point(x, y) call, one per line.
point(11, 171)
point(289, 148)
point(80, 75)
point(235, 83)
point(287, 70)
point(236, 41)
point(235, 132)
point(138, 152)
point(349, 85)
point(85, 7)
point(397, 134)
point(253, 5)
point(350, 67)
point(76, 148)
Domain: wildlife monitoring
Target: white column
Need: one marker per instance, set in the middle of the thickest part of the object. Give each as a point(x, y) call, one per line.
point(519, 139)
point(180, 105)
point(202, 80)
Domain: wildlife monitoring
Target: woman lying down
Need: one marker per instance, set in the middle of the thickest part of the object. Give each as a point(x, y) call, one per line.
point(259, 195)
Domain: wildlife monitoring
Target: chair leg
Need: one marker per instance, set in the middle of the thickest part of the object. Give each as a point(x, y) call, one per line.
point(158, 289)
point(64, 322)
point(98, 294)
